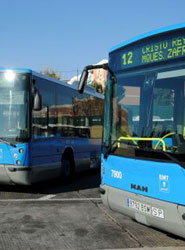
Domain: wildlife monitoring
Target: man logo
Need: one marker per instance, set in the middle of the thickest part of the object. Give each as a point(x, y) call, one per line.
point(139, 188)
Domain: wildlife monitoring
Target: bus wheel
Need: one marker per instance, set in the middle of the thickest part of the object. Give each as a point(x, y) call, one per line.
point(67, 167)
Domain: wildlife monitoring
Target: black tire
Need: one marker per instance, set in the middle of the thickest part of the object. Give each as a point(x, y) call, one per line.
point(67, 166)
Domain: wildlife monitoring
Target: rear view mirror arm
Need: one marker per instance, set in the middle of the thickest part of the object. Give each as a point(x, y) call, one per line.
point(84, 75)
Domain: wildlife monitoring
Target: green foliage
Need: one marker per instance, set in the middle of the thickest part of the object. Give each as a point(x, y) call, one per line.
point(51, 73)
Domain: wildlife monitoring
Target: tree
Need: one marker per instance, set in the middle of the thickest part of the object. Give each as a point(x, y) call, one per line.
point(51, 73)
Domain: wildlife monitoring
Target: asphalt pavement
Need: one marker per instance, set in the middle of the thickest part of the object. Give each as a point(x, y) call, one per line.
point(72, 217)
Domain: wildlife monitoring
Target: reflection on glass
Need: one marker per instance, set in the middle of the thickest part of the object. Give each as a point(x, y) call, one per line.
point(152, 106)
point(66, 113)
point(14, 106)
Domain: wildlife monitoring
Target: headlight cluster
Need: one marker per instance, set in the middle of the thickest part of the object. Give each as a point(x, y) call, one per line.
point(16, 156)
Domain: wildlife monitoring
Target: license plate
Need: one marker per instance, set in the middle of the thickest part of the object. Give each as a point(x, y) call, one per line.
point(158, 212)
point(145, 208)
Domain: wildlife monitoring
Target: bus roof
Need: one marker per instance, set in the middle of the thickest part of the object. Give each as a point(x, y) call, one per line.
point(149, 34)
point(89, 90)
point(18, 70)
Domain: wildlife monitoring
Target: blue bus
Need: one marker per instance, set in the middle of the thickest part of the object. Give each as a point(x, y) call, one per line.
point(143, 151)
point(47, 128)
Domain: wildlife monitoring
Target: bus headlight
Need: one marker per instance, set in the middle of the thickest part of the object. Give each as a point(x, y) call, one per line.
point(21, 150)
point(18, 162)
point(9, 75)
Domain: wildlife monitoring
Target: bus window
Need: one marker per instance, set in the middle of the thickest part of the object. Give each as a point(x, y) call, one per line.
point(126, 104)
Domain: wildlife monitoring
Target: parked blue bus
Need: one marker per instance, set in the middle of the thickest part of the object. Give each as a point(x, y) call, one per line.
point(143, 152)
point(47, 129)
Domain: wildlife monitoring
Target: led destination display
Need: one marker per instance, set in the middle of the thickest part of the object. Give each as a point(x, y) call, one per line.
point(154, 51)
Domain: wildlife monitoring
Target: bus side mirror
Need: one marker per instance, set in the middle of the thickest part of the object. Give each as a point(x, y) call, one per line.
point(83, 80)
point(37, 101)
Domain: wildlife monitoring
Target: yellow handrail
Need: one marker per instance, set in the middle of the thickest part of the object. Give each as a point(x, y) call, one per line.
point(128, 136)
point(141, 139)
point(172, 133)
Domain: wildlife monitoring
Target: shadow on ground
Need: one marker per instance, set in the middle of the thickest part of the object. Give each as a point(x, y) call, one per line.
point(86, 180)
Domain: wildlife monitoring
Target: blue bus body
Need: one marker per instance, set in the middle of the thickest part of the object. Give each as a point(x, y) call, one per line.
point(143, 157)
point(60, 138)
point(159, 182)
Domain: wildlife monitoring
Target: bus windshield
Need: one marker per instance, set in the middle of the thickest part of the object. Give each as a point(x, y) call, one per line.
point(14, 98)
point(149, 111)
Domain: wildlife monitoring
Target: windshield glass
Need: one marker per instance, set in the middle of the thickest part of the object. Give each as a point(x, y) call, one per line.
point(14, 106)
point(148, 112)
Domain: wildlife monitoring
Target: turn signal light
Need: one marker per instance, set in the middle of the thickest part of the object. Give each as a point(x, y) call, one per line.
point(15, 155)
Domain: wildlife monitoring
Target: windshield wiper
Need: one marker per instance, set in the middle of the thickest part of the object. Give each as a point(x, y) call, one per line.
point(7, 142)
point(113, 147)
point(169, 156)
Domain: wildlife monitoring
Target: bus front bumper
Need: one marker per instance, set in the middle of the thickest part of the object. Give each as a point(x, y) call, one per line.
point(11, 174)
point(171, 220)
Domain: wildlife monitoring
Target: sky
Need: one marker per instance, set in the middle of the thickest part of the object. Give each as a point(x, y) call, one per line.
point(67, 35)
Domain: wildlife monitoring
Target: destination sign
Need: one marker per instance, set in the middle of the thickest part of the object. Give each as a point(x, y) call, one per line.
point(153, 51)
